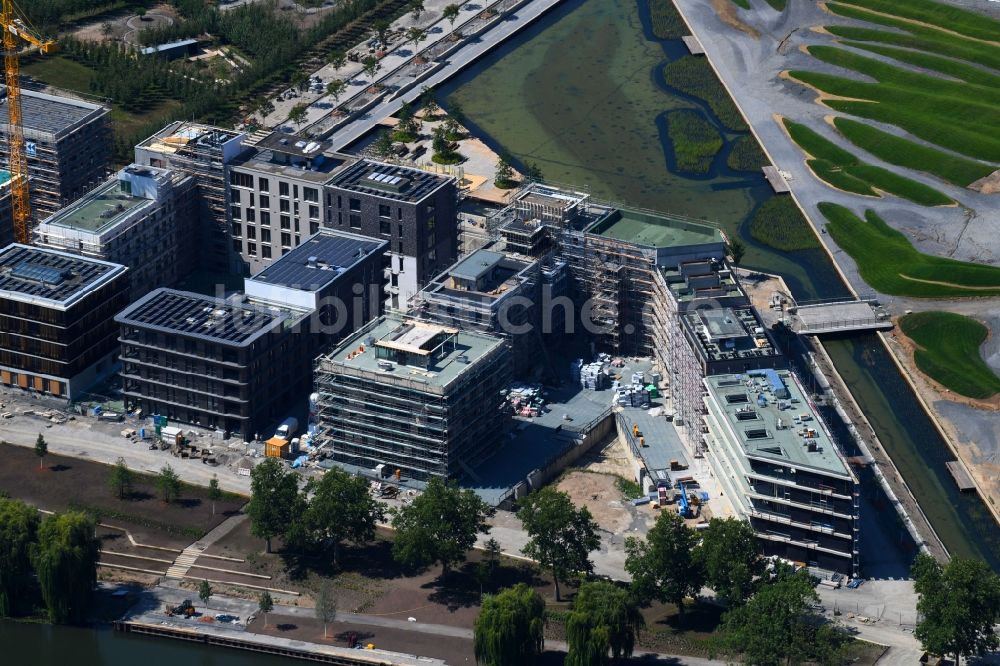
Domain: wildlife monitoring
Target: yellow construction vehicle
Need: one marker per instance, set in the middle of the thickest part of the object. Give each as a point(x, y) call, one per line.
point(16, 29)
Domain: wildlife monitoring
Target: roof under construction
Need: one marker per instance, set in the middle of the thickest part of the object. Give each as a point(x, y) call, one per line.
point(51, 114)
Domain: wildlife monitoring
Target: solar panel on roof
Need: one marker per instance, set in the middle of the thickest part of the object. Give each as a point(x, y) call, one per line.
point(47, 275)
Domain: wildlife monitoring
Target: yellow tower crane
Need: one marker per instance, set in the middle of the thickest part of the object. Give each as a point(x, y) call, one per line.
point(15, 29)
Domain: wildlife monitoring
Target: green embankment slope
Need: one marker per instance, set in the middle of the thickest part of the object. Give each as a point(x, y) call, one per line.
point(949, 352)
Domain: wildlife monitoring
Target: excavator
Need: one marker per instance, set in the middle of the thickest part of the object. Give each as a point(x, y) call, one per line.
point(16, 31)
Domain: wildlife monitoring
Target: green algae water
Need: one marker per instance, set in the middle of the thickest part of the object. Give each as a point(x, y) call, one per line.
point(581, 94)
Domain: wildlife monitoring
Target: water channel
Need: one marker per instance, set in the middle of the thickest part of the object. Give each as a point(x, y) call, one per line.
point(581, 95)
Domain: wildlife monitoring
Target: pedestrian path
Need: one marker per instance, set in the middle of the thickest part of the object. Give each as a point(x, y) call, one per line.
point(187, 558)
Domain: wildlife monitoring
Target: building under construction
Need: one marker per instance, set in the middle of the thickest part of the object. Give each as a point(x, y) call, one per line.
point(422, 398)
point(203, 152)
point(68, 147)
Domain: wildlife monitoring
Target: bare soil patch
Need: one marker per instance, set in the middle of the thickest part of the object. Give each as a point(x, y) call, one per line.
point(727, 12)
point(599, 493)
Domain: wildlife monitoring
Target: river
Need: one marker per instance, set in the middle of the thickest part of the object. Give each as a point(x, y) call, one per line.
point(581, 95)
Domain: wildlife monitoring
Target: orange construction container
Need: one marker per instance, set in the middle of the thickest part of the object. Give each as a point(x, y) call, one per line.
point(277, 447)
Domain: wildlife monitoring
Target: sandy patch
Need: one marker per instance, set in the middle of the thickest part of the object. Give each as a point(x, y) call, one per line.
point(727, 12)
point(987, 185)
point(602, 498)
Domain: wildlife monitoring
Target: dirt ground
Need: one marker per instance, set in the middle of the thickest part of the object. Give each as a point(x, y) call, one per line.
point(125, 24)
point(599, 493)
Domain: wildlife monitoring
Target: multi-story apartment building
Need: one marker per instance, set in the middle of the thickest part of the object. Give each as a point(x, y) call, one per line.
point(142, 218)
point(409, 395)
point(225, 364)
point(68, 145)
point(57, 332)
point(6, 211)
point(414, 210)
point(204, 153)
point(781, 469)
point(276, 197)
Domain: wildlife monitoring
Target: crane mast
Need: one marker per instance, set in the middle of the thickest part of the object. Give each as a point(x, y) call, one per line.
point(14, 30)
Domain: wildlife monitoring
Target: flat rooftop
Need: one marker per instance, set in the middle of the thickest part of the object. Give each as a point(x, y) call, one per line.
point(318, 168)
point(769, 414)
point(476, 265)
point(449, 352)
point(389, 181)
point(657, 231)
point(51, 114)
point(53, 278)
point(211, 319)
point(729, 333)
point(99, 209)
point(187, 138)
point(319, 260)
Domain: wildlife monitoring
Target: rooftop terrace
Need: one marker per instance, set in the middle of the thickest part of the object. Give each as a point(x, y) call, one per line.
point(54, 278)
point(99, 209)
point(390, 181)
point(654, 230)
point(402, 350)
point(770, 416)
point(211, 319)
point(729, 333)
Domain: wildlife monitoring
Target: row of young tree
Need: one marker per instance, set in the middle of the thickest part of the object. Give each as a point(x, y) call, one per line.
point(54, 559)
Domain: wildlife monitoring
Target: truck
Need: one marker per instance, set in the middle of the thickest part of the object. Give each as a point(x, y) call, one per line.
point(287, 429)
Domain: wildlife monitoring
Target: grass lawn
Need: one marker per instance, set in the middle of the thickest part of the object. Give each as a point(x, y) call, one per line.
point(746, 155)
point(61, 72)
point(902, 152)
point(948, 352)
point(962, 21)
point(694, 76)
point(745, 4)
point(694, 140)
point(780, 224)
point(843, 170)
point(666, 20)
point(888, 261)
point(929, 61)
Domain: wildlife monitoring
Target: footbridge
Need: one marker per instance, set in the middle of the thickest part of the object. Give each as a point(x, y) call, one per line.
point(837, 316)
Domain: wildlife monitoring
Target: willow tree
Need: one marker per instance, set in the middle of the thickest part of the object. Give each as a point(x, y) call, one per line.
point(604, 621)
point(18, 531)
point(510, 628)
point(65, 561)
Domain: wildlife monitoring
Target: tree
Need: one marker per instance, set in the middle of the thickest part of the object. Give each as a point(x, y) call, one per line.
point(381, 29)
point(959, 604)
point(371, 67)
point(731, 559)
point(487, 567)
point(326, 605)
point(604, 618)
point(342, 509)
point(416, 9)
point(440, 525)
point(120, 479)
point(510, 628)
point(265, 604)
point(665, 566)
point(300, 80)
point(214, 492)
point(264, 107)
point(451, 13)
point(41, 449)
point(504, 177)
point(204, 592)
point(777, 626)
point(169, 484)
point(383, 144)
point(533, 172)
point(274, 497)
point(65, 561)
point(439, 142)
point(736, 250)
point(560, 536)
point(298, 114)
point(335, 89)
point(414, 36)
point(18, 533)
point(428, 100)
point(107, 29)
point(141, 13)
point(338, 59)
point(406, 118)
point(452, 130)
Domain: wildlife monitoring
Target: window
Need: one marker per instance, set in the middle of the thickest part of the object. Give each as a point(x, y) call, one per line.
point(237, 213)
point(251, 215)
point(283, 189)
point(737, 398)
point(286, 240)
point(235, 196)
point(313, 212)
point(400, 227)
point(237, 245)
point(314, 227)
point(265, 251)
point(355, 221)
point(286, 222)
point(354, 204)
point(384, 227)
point(310, 194)
point(400, 263)
point(284, 206)
point(384, 211)
point(252, 249)
point(756, 433)
point(252, 232)
point(430, 223)
point(295, 191)
point(265, 201)
point(237, 230)
point(265, 218)
point(265, 235)
point(240, 179)
point(263, 185)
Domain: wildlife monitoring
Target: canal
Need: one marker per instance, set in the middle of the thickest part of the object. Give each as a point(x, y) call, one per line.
point(581, 95)
point(47, 645)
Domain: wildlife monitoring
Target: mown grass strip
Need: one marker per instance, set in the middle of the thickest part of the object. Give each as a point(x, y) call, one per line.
point(694, 140)
point(949, 352)
point(843, 170)
point(746, 155)
point(694, 76)
point(962, 21)
point(905, 153)
point(948, 66)
point(889, 263)
point(779, 223)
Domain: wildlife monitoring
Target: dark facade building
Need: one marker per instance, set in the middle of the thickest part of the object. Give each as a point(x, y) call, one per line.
point(230, 365)
point(414, 210)
point(57, 329)
point(68, 145)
